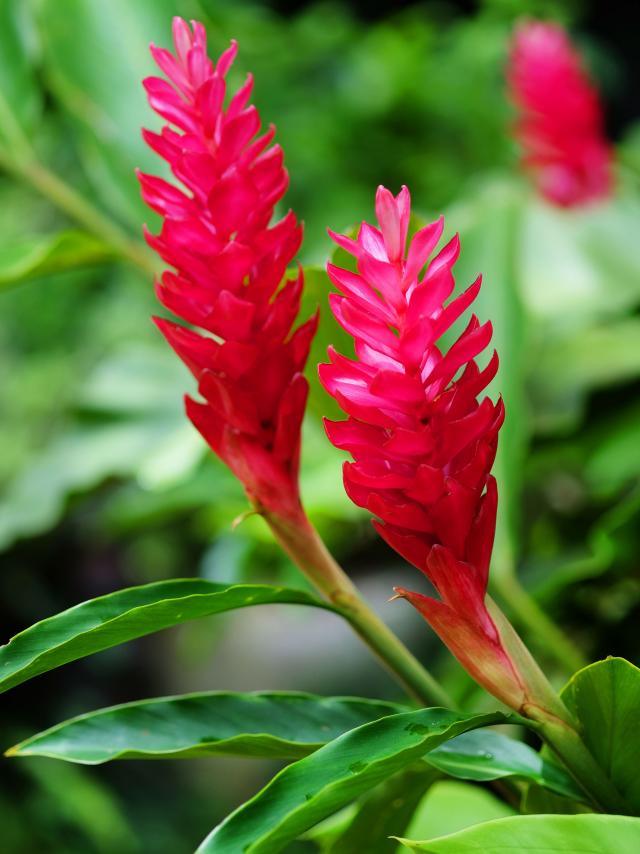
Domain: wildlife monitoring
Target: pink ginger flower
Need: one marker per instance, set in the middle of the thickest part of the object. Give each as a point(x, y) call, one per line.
point(422, 444)
point(227, 262)
point(560, 126)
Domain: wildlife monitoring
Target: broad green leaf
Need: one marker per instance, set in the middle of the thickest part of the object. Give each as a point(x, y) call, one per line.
point(279, 724)
point(384, 812)
point(605, 698)
point(540, 834)
point(585, 250)
point(312, 788)
point(44, 254)
point(20, 99)
point(127, 614)
point(487, 755)
point(450, 806)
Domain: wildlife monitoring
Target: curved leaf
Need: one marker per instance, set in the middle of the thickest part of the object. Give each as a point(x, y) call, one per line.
point(604, 698)
point(127, 614)
point(486, 755)
point(277, 724)
point(540, 834)
point(44, 254)
point(312, 788)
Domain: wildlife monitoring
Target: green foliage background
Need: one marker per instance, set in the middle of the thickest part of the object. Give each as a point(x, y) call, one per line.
point(103, 483)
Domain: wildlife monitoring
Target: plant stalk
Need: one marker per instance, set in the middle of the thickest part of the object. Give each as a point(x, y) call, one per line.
point(304, 546)
point(565, 741)
point(18, 157)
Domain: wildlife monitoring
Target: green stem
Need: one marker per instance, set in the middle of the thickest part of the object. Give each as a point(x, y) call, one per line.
point(19, 158)
point(305, 547)
point(564, 740)
point(526, 612)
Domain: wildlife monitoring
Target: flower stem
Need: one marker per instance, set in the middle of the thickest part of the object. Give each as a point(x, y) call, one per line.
point(18, 157)
point(565, 741)
point(80, 209)
point(305, 547)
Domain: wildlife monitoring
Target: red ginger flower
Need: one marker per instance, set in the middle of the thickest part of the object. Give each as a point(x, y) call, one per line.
point(422, 444)
point(228, 262)
point(561, 127)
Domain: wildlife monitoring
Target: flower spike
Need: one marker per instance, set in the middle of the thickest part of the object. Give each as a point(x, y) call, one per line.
point(422, 443)
point(227, 262)
point(560, 126)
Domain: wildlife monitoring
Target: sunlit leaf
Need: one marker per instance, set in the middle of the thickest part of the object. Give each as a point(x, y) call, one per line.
point(564, 834)
point(604, 698)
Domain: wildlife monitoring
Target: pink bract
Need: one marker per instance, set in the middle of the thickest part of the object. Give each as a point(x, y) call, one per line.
point(560, 125)
point(227, 263)
point(421, 441)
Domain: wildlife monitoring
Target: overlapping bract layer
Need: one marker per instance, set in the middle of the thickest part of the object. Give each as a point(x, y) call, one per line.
point(228, 263)
point(560, 126)
point(422, 444)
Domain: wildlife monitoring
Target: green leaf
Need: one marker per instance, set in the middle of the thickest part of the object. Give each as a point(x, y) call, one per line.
point(486, 755)
point(541, 834)
point(44, 254)
point(385, 812)
point(450, 806)
point(127, 614)
point(312, 788)
point(604, 698)
point(585, 250)
point(20, 100)
point(276, 724)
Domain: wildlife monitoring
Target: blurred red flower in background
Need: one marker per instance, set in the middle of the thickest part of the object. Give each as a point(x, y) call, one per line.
point(560, 125)
point(228, 263)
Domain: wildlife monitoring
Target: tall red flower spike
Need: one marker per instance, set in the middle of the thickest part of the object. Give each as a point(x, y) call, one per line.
point(228, 262)
point(422, 444)
point(560, 125)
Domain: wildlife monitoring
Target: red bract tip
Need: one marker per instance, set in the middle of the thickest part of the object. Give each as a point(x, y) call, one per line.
point(422, 443)
point(227, 264)
point(560, 125)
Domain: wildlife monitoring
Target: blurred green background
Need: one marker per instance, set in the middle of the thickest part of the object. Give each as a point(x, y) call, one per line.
point(104, 484)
